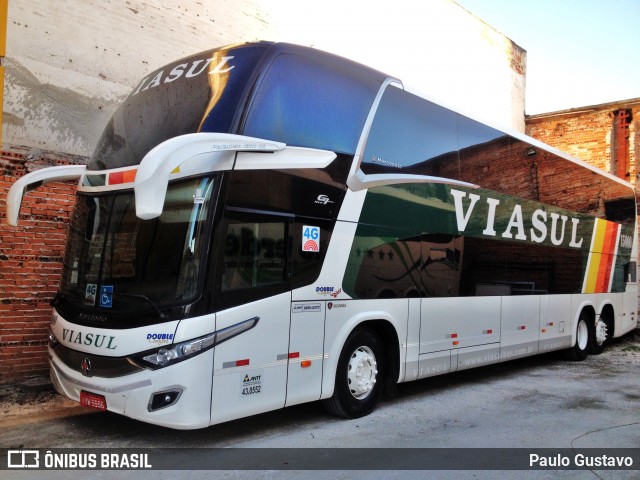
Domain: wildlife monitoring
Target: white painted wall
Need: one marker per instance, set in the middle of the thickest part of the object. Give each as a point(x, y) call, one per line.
point(433, 46)
point(69, 62)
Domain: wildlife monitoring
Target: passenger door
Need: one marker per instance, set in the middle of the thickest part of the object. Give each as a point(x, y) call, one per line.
point(250, 370)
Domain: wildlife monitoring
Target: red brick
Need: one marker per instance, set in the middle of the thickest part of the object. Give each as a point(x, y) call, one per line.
point(30, 263)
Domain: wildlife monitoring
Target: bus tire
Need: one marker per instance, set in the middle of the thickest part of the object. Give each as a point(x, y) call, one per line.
point(580, 349)
point(358, 377)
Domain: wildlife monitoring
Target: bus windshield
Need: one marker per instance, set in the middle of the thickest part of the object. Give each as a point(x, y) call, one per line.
point(200, 93)
point(116, 262)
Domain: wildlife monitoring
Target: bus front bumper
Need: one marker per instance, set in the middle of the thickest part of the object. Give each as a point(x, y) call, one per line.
point(135, 395)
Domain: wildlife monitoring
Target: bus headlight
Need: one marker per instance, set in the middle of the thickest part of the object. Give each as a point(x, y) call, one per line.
point(162, 358)
point(171, 354)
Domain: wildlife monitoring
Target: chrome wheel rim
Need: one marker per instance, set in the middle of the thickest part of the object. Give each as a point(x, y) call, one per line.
point(582, 334)
point(601, 332)
point(362, 372)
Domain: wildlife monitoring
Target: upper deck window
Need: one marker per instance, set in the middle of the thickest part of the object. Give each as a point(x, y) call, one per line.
point(407, 134)
point(312, 102)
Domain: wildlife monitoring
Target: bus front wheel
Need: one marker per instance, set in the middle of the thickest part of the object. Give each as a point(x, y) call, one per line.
point(358, 377)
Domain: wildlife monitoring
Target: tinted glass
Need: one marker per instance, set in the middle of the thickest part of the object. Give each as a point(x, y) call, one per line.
point(286, 191)
point(440, 270)
point(383, 263)
point(254, 255)
point(307, 264)
point(508, 244)
point(116, 262)
point(473, 134)
point(198, 93)
point(381, 266)
point(408, 134)
point(304, 202)
point(561, 182)
point(484, 153)
point(312, 102)
point(492, 267)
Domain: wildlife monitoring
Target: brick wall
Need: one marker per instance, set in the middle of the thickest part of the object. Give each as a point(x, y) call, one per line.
point(590, 134)
point(587, 134)
point(30, 261)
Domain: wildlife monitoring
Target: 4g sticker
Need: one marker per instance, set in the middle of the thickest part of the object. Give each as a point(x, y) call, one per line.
point(310, 239)
point(90, 293)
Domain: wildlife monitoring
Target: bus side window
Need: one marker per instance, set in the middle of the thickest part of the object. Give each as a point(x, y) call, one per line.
point(411, 135)
point(383, 264)
point(254, 255)
point(307, 262)
point(630, 272)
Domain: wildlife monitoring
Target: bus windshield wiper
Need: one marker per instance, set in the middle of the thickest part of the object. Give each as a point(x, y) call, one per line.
point(162, 315)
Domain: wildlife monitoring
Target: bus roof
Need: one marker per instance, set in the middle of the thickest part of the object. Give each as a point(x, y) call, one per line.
point(287, 93)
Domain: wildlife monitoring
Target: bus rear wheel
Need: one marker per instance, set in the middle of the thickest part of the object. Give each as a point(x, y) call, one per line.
point(580, 348)
point(599, 335)
point(358, 377)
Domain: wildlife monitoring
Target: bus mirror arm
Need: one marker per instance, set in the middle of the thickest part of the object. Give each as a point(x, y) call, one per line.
point(33, 180)
point(166, 158)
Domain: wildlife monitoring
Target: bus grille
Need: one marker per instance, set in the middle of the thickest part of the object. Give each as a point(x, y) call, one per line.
point(105, 367)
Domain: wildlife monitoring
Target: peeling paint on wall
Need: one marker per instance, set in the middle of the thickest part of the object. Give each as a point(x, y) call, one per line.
point(72, 61)
point(69, 64)
point(51, 117)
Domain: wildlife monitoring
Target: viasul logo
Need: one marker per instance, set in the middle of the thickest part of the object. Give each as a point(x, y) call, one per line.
point(211, 65)
point(89, 338)
point(528, 221)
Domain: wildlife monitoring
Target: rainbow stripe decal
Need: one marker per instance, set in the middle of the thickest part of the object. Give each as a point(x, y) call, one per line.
point(602, 254)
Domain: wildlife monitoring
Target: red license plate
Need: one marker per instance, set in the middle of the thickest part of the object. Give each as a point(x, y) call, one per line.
point(93, 400)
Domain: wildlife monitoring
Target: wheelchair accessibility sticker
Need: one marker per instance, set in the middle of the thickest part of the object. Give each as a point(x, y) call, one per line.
point(106, 296)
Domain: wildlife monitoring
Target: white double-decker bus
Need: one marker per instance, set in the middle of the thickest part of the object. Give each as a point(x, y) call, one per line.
point(264, 224)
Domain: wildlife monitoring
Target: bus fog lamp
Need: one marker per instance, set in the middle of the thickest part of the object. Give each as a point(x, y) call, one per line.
point(164, 399)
